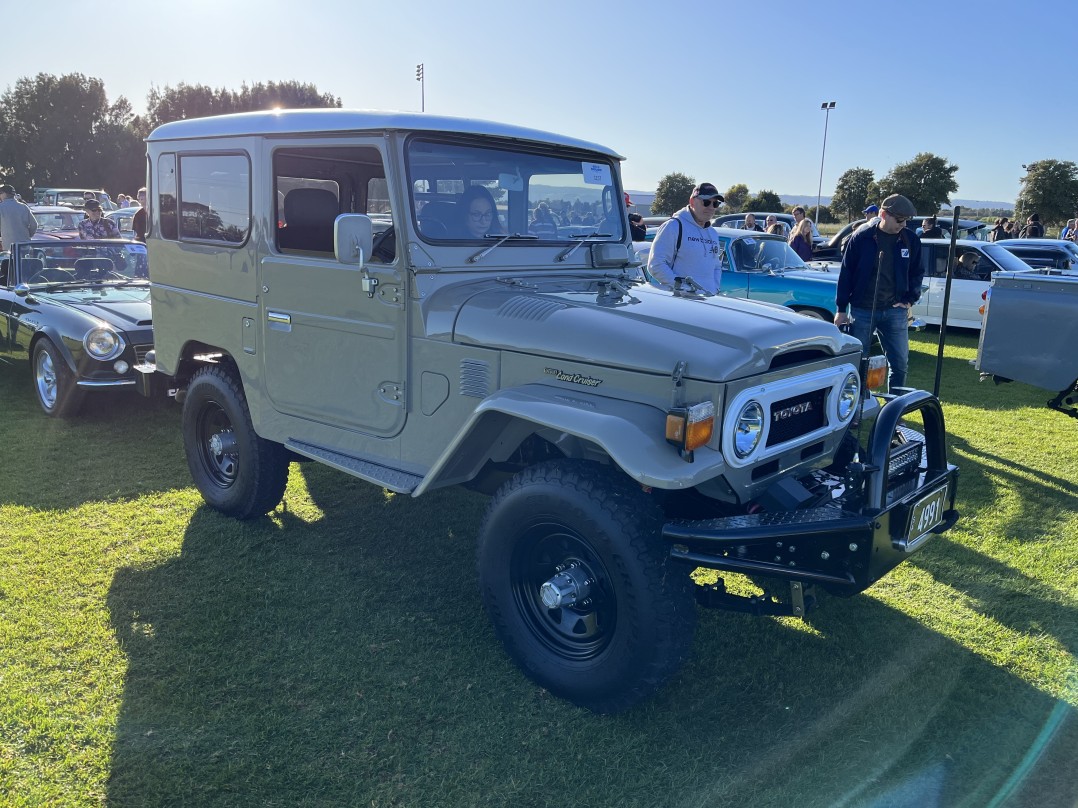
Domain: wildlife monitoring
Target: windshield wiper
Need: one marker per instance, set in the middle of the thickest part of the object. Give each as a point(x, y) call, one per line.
point(479, 256)
point(564, 254)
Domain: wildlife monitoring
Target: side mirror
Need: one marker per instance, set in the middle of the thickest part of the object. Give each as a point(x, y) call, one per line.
point(353, 237)
point(22, 290)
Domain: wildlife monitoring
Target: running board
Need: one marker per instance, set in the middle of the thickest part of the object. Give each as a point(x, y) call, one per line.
point(394, 479)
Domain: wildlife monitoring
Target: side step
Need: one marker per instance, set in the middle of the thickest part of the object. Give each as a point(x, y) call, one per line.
point(394, 479)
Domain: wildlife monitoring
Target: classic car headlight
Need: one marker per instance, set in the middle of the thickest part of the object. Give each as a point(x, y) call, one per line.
point(102, 343)
point(748, 429)
point(847, 399)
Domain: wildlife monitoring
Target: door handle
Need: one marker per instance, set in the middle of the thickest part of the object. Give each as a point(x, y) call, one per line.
point(279, 318)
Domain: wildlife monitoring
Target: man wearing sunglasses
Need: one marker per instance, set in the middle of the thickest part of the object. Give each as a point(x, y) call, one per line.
point(686, 245)
point(880, 280)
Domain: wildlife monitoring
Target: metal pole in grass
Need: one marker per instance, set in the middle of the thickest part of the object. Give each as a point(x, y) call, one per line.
point(946, 300)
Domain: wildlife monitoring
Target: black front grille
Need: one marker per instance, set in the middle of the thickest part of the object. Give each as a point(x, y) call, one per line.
point(140, 352)
point(796, 416)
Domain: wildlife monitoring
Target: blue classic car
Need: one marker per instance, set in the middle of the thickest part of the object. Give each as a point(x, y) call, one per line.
point(764, 267)
point(80, 312)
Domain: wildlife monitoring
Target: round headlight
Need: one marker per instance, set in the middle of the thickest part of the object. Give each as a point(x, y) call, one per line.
point(748, 429)
point(847, 400)
point(102, 343)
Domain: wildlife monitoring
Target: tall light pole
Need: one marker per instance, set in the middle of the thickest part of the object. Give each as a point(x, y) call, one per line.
point(826, 106)
point(422, 87)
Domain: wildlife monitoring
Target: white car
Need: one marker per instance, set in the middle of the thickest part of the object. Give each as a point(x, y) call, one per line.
point(966, 300)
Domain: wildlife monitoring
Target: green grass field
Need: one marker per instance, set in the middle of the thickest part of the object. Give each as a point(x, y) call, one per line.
point(335, 653)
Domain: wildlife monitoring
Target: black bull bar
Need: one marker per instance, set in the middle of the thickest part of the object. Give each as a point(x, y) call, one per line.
point(844, 550)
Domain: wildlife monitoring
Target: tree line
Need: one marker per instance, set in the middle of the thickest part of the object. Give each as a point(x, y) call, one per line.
point(1049, 187)
point(63, 131)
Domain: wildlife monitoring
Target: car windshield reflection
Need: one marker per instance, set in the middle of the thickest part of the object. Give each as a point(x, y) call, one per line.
point(87, 262)
point(765, 255)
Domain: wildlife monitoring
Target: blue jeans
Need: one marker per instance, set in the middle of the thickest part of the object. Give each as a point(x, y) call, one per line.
point(892, 326)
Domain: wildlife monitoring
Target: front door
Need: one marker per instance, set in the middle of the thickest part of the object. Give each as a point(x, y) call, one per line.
point(332, 353)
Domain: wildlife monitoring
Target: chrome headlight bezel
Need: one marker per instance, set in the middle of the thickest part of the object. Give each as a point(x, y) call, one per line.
point(848, 397)
point(750, 423)
point(103, 343)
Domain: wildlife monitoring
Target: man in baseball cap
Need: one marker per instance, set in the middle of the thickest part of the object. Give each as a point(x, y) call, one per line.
point(880, 280)
point(871, 210)
point(687, 246)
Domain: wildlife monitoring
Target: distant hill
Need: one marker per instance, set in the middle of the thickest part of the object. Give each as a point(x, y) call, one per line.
point(795, 199)
point(643, 199)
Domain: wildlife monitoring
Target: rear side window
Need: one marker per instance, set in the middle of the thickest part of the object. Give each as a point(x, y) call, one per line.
point(166, 195)
point(215, 198)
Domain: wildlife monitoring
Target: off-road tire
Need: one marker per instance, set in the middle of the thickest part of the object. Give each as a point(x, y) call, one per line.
point(54, 383)
point(636, 630)
point(236, 471)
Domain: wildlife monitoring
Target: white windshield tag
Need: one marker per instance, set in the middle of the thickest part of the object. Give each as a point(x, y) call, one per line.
point(136, 248)
point(596, 173)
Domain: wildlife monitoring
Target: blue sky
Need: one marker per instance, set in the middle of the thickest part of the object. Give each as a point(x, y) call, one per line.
point(722, 92)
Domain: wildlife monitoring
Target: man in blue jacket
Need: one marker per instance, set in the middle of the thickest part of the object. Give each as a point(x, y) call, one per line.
point(880, 280)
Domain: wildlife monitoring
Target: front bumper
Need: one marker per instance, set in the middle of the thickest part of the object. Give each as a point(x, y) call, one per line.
point(844, 548)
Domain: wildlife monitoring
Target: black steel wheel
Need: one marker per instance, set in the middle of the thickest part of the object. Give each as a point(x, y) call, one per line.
point(54, 383)
point(236, 471)
point(575, 578)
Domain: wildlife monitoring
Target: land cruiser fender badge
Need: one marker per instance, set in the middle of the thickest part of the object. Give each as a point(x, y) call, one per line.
point(574, 378)
point(790, 412)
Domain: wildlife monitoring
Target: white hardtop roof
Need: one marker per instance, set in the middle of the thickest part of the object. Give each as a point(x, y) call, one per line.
point(344, 121)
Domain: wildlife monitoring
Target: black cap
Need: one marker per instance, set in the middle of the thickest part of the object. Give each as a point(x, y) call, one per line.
point(7, 189)
point(705, 190)
point(898, 205)
point(91, 204)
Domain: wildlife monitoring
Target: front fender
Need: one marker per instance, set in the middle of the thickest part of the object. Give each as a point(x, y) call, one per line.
point(54, 336)
point(633, 435)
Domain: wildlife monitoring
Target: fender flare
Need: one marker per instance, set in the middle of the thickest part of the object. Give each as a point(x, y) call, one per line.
point(49, 332)
point(633, 435)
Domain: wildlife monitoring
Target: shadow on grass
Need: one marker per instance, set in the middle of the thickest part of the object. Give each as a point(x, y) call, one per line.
point(120, 445)
point(340, 656)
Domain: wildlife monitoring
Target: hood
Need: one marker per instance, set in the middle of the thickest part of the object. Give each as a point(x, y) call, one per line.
point(125, 307)
point(649, 330)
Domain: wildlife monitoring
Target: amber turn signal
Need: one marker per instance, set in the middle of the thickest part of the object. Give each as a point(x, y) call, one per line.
point(877, 372)
point(690, 428)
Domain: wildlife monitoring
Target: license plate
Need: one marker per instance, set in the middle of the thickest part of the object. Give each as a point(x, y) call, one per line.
point(926, 514)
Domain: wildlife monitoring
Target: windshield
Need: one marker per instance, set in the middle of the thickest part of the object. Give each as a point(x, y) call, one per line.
point(1005, 258)
point(467, 192)
point(765, 255)
point(41, 263)
point(56, 221)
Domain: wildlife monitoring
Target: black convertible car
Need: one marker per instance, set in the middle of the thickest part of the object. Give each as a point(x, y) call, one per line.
point(80, 312)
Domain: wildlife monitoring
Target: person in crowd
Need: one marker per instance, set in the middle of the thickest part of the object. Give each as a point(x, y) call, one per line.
point(965, 266)
point(122, 200)
point(999, 231)
point(636, 227)
point(871, 212)
point(17, 223)
point(138, 221)
point(1033, 228)
point(750, 223)
point(479, 212)
point(777, 228)
point(879, 280)
point(1010, 230)
point(800, 238)
point(542, 223)
point(799, 216)
point(1068, 228)
point(687, 245)
point(97, 224)
point(930, 228)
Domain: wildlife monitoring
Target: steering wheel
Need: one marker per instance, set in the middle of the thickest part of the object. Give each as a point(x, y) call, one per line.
point(384, 248)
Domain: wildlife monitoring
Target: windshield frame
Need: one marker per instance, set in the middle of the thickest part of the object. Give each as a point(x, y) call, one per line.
point(57, 267)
